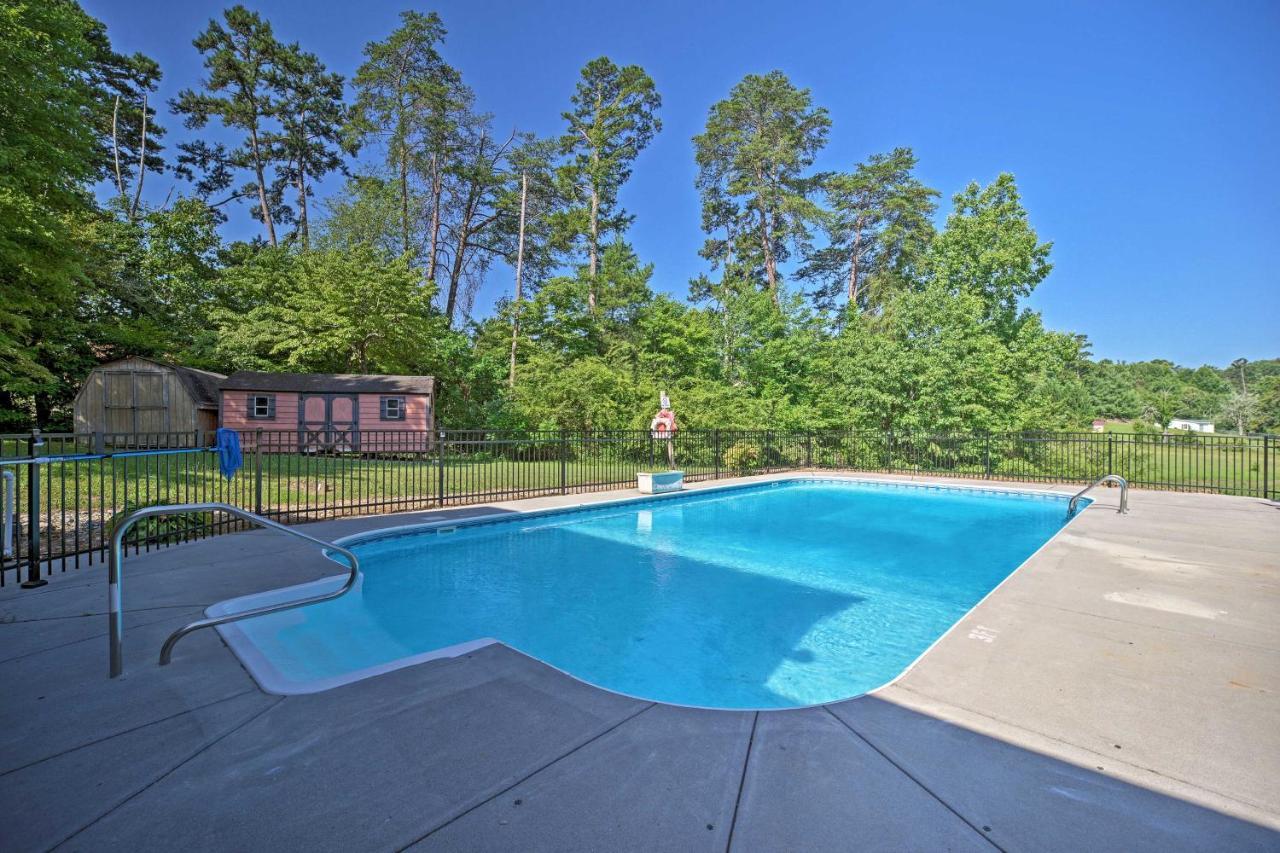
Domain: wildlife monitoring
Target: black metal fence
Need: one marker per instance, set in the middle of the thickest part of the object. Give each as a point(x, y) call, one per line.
point(62, 494)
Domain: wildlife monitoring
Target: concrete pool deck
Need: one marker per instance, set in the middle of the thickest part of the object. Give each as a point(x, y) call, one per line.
point(1120, 692)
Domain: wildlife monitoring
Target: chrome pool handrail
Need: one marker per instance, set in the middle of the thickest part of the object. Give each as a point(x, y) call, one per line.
point(115, 603)
point(1109, 478)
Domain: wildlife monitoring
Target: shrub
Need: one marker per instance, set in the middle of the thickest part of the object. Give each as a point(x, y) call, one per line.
point(167, 529)
point(742, 456)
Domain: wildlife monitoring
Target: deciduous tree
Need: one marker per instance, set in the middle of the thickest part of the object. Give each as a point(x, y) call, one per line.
point(352, 310)
point(1242, 409)
point(48, 152)
point(989, 249)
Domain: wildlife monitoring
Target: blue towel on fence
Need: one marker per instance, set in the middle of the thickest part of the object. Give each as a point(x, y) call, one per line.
point(229, 458)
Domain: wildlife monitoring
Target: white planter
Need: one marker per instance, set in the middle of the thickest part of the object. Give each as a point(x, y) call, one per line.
point(657, 482)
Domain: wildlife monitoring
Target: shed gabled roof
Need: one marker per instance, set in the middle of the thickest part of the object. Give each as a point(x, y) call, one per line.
point(328, 383)
point(202, 385)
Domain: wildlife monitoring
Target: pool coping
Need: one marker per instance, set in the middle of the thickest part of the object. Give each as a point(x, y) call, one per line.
point(271, 680)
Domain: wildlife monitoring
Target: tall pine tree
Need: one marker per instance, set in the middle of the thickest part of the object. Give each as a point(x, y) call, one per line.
point(752, 162)
point(614, 117)
point(241, 56)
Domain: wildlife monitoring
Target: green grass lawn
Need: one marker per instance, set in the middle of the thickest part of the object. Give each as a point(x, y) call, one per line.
point(1122, 427)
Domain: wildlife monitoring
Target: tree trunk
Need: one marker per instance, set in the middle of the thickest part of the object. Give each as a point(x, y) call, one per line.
point(115, 148)
point(459, 260)
point(402, 109)
point(437, 190)
point(853, 267)
point(142, 163)
point(515, 314)
point(404, 197)
point(770, 264)
point(262, 188)
point(44, 409)
point(303, 227)
point(593, 249)
point(455, 276)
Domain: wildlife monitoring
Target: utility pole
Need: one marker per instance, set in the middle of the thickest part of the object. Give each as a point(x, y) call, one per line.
point(515, 318)
point(1239, 364)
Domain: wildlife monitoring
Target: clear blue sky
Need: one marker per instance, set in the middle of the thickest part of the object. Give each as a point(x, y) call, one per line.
point(1145, 136)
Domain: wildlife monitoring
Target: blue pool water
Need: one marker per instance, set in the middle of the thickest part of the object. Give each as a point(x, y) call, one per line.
point(780, 595)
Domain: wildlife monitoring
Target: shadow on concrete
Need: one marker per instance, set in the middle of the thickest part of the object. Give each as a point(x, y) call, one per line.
point(1022, 798)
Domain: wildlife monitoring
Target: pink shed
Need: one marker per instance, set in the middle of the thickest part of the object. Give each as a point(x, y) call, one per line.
point(325, 411)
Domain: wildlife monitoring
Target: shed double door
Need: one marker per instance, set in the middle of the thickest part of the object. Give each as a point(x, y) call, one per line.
point(134, 401)
point(328, 422)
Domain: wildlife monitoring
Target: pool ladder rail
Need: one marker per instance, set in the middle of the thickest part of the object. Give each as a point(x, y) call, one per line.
point(1109, 478)
point(115, 601)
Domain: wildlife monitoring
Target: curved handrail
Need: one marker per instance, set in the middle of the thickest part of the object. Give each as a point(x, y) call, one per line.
point(1108, 478)
point(115, 604)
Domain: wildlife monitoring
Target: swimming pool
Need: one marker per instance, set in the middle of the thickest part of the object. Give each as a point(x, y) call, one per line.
point(773, 595)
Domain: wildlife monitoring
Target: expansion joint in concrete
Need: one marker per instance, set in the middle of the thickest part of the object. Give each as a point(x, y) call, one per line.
point(905, 772)
point(104, 738)
point(203, 747)
point(742, 780)
point(526, 777)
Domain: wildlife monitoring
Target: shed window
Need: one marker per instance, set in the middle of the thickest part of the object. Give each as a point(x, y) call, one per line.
point(262, 407)
point(393, 408)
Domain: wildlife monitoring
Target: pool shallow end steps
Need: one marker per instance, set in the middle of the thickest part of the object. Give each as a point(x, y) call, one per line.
point(809, 644)
point(272, 680)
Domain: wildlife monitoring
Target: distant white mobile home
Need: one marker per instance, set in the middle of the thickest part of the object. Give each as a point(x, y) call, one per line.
point(1191, 424)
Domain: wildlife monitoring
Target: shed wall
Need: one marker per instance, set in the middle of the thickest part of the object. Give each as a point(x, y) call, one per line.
point(235, 412)
point(374, 433)
point(133, 395)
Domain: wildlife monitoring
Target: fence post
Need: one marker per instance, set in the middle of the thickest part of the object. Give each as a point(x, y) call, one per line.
point(440, 469)
point(715, 440)
point(564, 463)
point(986, 456)
point(257, 475)
point(808, 448)
point(888, 451)
point(35, 445)
point(1111, 442)
point(768, 444)
point(1266, 467)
